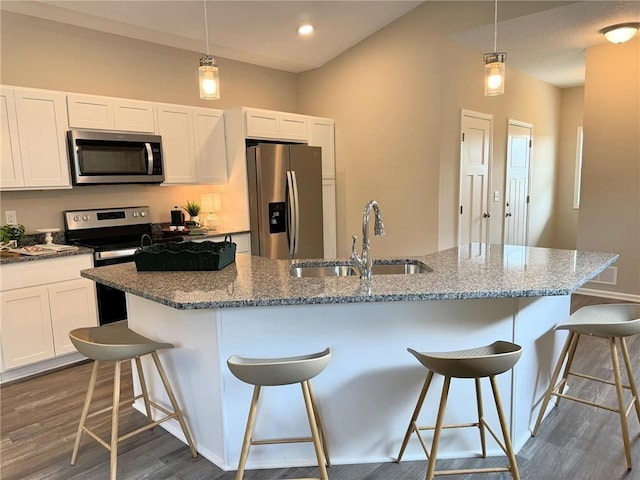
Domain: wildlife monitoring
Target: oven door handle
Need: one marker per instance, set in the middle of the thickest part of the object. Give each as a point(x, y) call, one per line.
point(108, 255)
point(149, 158)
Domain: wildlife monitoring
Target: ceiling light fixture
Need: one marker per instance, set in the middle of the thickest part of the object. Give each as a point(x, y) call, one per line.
point(208, 71)
point(620, 33)
point(305, 29)
point(494, 71)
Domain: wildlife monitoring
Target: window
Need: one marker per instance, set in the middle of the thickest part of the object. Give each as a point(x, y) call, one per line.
point(577, 179)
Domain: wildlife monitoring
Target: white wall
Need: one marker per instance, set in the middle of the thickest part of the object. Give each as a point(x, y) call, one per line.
point(396, 98)
point(609, 217)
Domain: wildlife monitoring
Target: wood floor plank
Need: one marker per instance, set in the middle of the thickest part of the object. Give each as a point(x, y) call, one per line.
point(39, 417)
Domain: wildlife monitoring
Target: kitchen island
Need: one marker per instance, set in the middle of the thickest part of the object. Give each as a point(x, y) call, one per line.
point(472, 296)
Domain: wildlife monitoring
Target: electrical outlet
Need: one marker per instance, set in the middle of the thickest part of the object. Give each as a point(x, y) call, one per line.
point(11, 217)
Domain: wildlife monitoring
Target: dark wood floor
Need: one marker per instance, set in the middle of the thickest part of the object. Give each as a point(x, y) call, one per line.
point(39, 417)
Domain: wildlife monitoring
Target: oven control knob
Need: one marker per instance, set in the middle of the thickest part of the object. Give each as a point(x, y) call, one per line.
point(76, 218)
point(135, 214)
point(85, 218)
point(143, 214)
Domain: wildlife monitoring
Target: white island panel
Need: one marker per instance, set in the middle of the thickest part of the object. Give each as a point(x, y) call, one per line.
point(368, 392)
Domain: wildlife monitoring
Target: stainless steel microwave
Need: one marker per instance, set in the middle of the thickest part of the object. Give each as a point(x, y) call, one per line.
point(114, 158)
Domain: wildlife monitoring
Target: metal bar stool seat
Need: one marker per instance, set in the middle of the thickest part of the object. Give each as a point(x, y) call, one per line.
point(612, 322)
point(283, 371)
point(117, 343)
point(476, 363)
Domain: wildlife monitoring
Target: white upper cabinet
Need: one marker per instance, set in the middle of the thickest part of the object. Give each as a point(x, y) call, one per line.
point(273, 125)
point(11, 164)
point(193, 144)
point(321, 134)
point(210, 149)
point(106, 113)
point(36, 153)
point(175, 126)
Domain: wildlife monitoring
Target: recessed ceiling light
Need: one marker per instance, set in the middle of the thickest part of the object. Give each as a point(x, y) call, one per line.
point(305, 29)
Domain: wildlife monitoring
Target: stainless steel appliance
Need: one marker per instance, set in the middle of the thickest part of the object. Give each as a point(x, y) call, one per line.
point(285, 200)
point(114, 234)
point(109, 157)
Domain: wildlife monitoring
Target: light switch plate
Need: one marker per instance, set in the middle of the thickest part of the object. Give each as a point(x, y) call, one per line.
point(496, 196)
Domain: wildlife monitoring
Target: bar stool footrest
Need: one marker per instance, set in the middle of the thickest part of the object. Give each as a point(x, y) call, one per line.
point(472, 470)
point(274, 441)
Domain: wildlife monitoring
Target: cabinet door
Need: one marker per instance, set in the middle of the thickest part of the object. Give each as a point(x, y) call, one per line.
point(73, 305)
point(42, 126)
point(25, 326)
point(329, 217)
point(133, 116)
point(321, 134)
point(211, 154)
point(176, 128)
point(262, 124)
point(89, 111)
point(293, 127)
point(10, 162)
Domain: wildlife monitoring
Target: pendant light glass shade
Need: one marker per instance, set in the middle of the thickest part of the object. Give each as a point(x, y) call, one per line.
point(208, 78)
point(620, 33)
point(494, 73)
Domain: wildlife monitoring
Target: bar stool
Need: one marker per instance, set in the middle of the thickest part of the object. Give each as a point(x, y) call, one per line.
point(283, 371)
point(117, 343)
point(476, 363)
point(611, 322)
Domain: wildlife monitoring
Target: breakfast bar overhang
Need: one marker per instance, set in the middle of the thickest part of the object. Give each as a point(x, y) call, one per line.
point(474, 295)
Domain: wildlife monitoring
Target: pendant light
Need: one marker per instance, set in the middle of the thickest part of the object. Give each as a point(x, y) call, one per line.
point(494, 71)
point(208, 71)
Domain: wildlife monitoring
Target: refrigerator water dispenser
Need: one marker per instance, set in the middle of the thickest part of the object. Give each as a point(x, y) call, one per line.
point(277, 217)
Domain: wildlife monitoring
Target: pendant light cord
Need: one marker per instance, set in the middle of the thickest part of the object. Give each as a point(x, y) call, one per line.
point(206, 26)
point(495, 26)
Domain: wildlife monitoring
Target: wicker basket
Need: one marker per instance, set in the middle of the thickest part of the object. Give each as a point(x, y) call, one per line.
point(185, 256)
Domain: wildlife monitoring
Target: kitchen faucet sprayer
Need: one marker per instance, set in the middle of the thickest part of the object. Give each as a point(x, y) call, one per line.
point(364, 262)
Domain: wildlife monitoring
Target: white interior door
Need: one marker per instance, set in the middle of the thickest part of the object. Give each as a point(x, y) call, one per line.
point(475, 163)
point(516, 219)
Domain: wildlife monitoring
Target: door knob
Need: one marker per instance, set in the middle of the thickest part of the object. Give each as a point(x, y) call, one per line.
point(486, 214)
point(508, 214)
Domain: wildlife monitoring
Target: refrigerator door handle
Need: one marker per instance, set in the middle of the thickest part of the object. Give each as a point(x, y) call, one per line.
point(296, 237)
point(291, 227)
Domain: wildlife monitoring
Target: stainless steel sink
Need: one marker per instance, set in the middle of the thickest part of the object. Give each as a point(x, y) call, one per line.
point(389, 267)
point(322, 271)
point(406, 268)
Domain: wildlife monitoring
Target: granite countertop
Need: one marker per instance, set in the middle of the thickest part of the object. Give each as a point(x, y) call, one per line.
point(18, 258)
point(474, 271)
point(12, 257)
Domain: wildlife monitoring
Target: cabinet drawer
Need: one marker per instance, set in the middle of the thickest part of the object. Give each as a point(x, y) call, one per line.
point(40, 272)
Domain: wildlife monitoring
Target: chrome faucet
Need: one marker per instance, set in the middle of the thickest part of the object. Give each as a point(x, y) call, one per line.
point(364, 262)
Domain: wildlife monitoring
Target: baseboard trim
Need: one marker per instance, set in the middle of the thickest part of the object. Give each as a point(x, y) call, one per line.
point(627, 297)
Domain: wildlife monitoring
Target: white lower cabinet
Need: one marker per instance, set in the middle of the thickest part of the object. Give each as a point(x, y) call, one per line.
point(41, 301)
point(26, 327)
point(73, 305)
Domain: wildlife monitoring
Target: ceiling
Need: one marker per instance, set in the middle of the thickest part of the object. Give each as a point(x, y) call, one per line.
point(549, 45)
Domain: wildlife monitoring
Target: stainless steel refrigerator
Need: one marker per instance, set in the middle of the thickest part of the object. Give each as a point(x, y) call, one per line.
point(285, 200)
